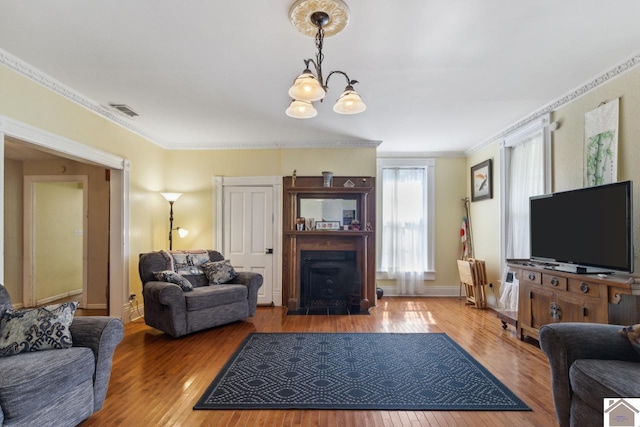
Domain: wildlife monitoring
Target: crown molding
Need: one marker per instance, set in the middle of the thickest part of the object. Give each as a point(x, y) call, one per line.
point(275, 145)
point(27, 70)
point(554, 105)
point(422, 154)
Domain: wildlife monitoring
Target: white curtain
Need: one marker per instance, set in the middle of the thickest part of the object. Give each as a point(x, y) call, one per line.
point(404, 227)
point(525, 179)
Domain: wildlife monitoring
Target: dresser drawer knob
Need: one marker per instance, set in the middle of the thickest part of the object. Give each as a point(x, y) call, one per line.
point(584, 288)
point(532, 276)
point(554, 281)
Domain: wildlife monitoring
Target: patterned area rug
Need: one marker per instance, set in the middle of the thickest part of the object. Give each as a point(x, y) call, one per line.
point(356, 371)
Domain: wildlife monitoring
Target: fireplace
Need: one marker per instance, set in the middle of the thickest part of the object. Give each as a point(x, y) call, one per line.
point(328, 268)
point(329, 280)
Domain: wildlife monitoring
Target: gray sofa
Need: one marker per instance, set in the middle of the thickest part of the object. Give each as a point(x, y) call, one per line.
point(589, 362)
point(59, 387)
point(176, 312)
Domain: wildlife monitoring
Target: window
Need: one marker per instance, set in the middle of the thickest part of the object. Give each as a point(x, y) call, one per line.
point(527, 172)
point(406, 222)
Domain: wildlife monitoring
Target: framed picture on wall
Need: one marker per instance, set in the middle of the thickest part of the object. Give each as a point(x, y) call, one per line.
point(481, 181)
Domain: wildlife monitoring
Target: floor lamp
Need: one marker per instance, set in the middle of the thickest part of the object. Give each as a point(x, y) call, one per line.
point(171, 198)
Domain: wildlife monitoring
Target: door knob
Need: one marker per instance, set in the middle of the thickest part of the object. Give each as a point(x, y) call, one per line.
point(269, 251)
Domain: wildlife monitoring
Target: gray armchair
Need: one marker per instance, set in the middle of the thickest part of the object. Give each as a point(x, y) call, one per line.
point(589, 362)
point(176, 312)
point(59, 387)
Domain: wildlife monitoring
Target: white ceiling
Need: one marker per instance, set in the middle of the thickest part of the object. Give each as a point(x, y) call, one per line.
point(437, 76)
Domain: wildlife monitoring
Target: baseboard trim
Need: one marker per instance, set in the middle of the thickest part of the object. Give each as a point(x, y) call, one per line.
point(426, 291)
point(59, 296)
point(101, 306)
point(133, 313)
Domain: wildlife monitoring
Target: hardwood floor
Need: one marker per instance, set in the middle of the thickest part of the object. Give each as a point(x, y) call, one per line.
point(156, 379)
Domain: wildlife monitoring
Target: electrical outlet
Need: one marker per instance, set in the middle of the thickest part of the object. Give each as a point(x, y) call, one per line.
point(132, 297)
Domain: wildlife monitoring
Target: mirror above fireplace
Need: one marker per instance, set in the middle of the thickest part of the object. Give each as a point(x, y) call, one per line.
point(329, 209)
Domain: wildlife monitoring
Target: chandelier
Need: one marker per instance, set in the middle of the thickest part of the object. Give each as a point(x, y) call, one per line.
point(320, 18)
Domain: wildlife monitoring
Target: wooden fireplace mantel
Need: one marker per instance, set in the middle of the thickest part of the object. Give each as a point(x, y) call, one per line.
point(362, 241)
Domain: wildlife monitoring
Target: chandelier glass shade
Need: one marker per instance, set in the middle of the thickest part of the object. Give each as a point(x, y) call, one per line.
point(349, 102)
point(306, 88)
point(301, 110)
point(309, 87)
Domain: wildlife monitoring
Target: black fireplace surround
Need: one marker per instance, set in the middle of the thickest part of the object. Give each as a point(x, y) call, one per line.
point(330, 281)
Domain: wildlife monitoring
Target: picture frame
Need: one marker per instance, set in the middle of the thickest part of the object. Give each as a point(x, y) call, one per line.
point(327, 225)
point(482, 181)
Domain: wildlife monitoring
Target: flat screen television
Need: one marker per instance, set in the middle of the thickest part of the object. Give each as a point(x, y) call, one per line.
point(589, 230)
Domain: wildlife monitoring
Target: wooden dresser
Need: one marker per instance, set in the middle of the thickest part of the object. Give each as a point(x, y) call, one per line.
point(549, 296)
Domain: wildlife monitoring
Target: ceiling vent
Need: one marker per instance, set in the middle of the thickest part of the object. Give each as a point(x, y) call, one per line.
point(124, 109)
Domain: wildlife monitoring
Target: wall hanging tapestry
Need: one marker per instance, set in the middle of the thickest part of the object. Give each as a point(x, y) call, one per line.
point(386, 371)
point(601, 144)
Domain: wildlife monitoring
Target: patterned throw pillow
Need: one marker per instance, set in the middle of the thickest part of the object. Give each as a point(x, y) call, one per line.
point(219, 272)
point(633, 334)
point(189, 262)
point(173, 277)
point(35, 329)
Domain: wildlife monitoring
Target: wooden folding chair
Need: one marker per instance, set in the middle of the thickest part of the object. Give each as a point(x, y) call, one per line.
point(473, 276)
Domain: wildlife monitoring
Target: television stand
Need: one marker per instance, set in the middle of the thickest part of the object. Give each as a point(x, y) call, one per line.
point(552, 295)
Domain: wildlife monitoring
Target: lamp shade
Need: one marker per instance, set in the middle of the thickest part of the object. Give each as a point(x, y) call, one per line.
point(306, 87)
point(182, 232)
point(349, 102)
point(171, 197)
point(301, 110)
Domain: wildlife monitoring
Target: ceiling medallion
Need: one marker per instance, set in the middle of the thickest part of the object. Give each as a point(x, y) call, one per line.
point(337, 11)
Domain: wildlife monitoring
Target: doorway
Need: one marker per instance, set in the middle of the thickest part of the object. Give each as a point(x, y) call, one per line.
point(118, 171)
point(248, 229)
point(55, 238)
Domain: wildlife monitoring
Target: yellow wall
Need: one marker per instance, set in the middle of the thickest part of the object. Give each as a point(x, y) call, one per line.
point(568, 162)
point(485, 215)
point(568, 140)
point(192, 172)
point(98, 221)
point(154, 169)
point(31, 103)
point(450, 190)
point(58, 245)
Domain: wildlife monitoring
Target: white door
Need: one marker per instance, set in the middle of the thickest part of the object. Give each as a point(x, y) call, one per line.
point(248, 233)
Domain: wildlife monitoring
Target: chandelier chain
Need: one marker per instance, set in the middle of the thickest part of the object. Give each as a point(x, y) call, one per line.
point(320, 55)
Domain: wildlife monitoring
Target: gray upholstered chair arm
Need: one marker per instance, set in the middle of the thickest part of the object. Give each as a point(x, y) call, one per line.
point(165, 307)
point(564, 343)
point(101, 334)
point(164, 293)
point(253, 281)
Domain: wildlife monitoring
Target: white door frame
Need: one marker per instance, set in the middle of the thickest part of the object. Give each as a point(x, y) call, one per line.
point(219, 182)
point(29, 235)
point(119, 201)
